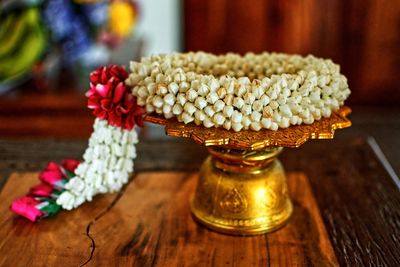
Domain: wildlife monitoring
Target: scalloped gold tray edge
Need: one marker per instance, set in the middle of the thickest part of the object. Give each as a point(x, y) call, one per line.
point(293, 136)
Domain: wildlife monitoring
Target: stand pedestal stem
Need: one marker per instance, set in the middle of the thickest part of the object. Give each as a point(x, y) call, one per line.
point(242, 192)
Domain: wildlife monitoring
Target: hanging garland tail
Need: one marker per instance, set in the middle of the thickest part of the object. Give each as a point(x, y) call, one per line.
point(108, 160)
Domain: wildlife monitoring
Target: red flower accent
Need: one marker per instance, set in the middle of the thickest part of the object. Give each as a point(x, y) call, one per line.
point(26, 206)
point(41, 190)
point(54, 173)
point(111, 99)
point(70, 164)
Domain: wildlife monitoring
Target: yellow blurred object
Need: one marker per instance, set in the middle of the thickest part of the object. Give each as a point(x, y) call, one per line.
point(122, 18)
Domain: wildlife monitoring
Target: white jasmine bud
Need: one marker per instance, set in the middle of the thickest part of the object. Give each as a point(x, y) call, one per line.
point(209, 110)
point(255, 116)
point(160, 78)
point(221, 92)
point(141, 101)
point(219, 105)
point(228, 100)
point(184, 86)
point(169, 99)
point(203, 90)
point(249, 98)
point(274, 126)
point(173, 88)
point(285, 110)
point(257, 91)
point(265, 100)
point(257, 106)
point(273, 104)
point(227, 125)
point(191, 95)
point(228, 111)
point(181, 99)
point(168, 115)
point(284, 123)
point(255, 126)
point(179, 77)
point(237, 116)
point(212, 97)
point(199, 115)
point(208, 123)
point(189, 108)
point(315, 96)
point(267, 112)
point(244, 80)
point(177, 109)
point(187, 118)
point(214, 84)
point(218, 119)
point(266, 123)
point(167, 108)
point(200, 102)
point(149, 108)
point(326, 112)
point(246, 110)
point(240, 90)
point(161, 90)
point(158, 101)
point(237, 126)
point(276, 117)
point(308, 120)
point(238, 102)
point(246, 122)
point(142, 92)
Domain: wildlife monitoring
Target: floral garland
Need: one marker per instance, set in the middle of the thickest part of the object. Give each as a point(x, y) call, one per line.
point(285, 90)
point(267, 91)
point(107, 161)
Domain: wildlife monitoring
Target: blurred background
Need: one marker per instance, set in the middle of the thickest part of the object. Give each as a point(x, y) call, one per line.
point(48, 48)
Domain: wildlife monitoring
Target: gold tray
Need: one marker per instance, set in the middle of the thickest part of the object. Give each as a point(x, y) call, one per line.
point(293, 136)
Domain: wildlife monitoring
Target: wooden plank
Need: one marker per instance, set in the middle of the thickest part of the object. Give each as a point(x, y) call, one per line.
point(149, 224)
point(358, 199)
point(58, 241)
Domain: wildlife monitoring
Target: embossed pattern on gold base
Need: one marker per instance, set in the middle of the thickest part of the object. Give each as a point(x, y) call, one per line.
point(239, 201)
point(242, 187)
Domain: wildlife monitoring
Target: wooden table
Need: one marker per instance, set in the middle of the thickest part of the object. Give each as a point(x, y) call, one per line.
point(346, 211)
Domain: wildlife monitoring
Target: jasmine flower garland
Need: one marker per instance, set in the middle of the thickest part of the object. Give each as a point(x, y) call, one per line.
point(108, 160)
point(268, 90)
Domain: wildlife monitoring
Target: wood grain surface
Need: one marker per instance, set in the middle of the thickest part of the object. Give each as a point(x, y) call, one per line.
point(357, 195)
point(149, 224)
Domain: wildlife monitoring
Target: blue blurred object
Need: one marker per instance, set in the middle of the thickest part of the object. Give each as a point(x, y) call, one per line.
point(77, 42)
point(96, 13)
point(58, 15)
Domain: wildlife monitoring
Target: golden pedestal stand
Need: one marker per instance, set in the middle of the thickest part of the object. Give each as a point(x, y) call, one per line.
point(242, 187)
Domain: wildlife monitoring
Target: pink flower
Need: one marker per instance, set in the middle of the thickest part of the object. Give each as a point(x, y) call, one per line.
point(26, 206)
point(111, 100)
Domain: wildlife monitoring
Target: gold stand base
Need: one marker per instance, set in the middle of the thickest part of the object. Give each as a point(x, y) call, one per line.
point(242, 192)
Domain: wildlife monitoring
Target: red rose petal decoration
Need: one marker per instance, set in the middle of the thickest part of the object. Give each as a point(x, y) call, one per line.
point(70, 164)
point(111, 100)
point(26, 206)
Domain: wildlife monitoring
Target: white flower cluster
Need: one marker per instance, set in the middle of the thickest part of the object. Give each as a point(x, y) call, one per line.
point(268, 90)
point(107, 163)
